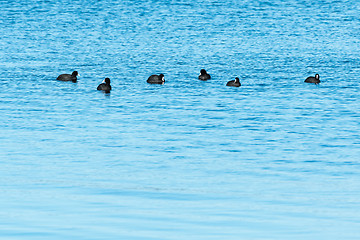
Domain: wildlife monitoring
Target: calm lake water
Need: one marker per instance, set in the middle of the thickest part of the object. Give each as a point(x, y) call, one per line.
point(274, 159)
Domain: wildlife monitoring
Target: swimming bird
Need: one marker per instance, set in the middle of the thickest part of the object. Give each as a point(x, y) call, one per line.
point(204, 75)
point(105, 85)
point(234, 83)
point(156, 79)
point(315, 79)
point(68, 77)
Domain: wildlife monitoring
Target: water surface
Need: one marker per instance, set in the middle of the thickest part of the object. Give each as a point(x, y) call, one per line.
point(274, 159)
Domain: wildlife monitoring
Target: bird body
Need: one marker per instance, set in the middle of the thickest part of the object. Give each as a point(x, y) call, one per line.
point(105, 85)
point(234, 83)
point(68, 77)
point(315, 79)
point(156, 79)
point(204, 75)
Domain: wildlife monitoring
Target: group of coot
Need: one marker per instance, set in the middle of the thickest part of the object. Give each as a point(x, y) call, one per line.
point(104, 86)
point(160, 79)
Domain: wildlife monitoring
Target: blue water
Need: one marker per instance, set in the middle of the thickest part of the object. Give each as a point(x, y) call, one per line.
point(274, 159)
